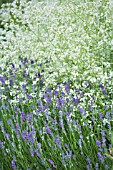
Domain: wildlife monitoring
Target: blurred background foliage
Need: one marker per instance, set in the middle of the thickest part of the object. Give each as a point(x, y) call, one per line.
point(5, 1)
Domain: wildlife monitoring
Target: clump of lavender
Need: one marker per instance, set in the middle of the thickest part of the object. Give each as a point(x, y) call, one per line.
point(57, 130)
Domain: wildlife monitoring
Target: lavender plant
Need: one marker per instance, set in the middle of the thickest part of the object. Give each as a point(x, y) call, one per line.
point(56, 85)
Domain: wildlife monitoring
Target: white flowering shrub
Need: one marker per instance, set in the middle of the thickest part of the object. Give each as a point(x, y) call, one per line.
point(74, 37)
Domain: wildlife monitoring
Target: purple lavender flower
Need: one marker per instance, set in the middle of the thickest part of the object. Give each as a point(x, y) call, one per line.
point(38, 75)
point(58, 141)
point(61, 123)
point(40, 105)
point(93, 118)
point(101, 158)
point(67, 99)
point(67, 88)
point(52, 163)
point(48, 130)
point(79, 127)
point(6, 135)
point(104, 91)
point(2, 80)
point(13, 162)
point(29, 96)
point(88, 160)
point(48, 100)
point(13, 66)
point(37, 153)
point(24, 134)
point(81, 136)
point(106, 167)
point(75, 100)
point(29, 117)
point(103, 132)
point(62, 94)
point(32, 61)
point(103, 140)
point(81, 109)
point(22, 117)
point(31, 137)
point(11, 73)
point(9, 121)
point(25, 60)
point(48, 90)
point(88, 167)
point(90, 106)
point(98, 143)
point(71, 107)
point(66, 145)
point(56, 93)
point(1, 144)
point(108, 115)
point(17, 127)
point(11, 81)
point(101, 116)
point(101, 86)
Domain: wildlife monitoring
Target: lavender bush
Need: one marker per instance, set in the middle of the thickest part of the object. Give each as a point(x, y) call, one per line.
point(56, 85)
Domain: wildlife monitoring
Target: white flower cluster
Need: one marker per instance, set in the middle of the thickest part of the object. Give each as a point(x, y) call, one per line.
point(75, 37)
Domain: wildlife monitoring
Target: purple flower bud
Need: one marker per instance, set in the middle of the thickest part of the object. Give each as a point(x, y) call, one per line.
point(37, 153)
point(56, 93)
point(108, 115)
point(67, 99)
point(48, 130)
point(98, 143)
point(75, 100)
point(101, 158)
point(31, 137)
point(88, 160)
point(81, 109)
point(101, 116)
point(24, 134)
point(13, 162)
point(103, 132)
point(51, 162)
point(32, 61)
point(101, 86)
point(104, 91)
point(2, 80)
point(17, 127)
point(67, 88)
point(29, 96)
point(79, 127)
point(58, 141)
point(38, 75)
point(13, 66)
point(103, 140)
point(106, 167)
point(48, 100)
point(22, 117)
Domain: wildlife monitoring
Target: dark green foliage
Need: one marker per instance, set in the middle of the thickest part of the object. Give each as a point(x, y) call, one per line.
point(5, 1)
